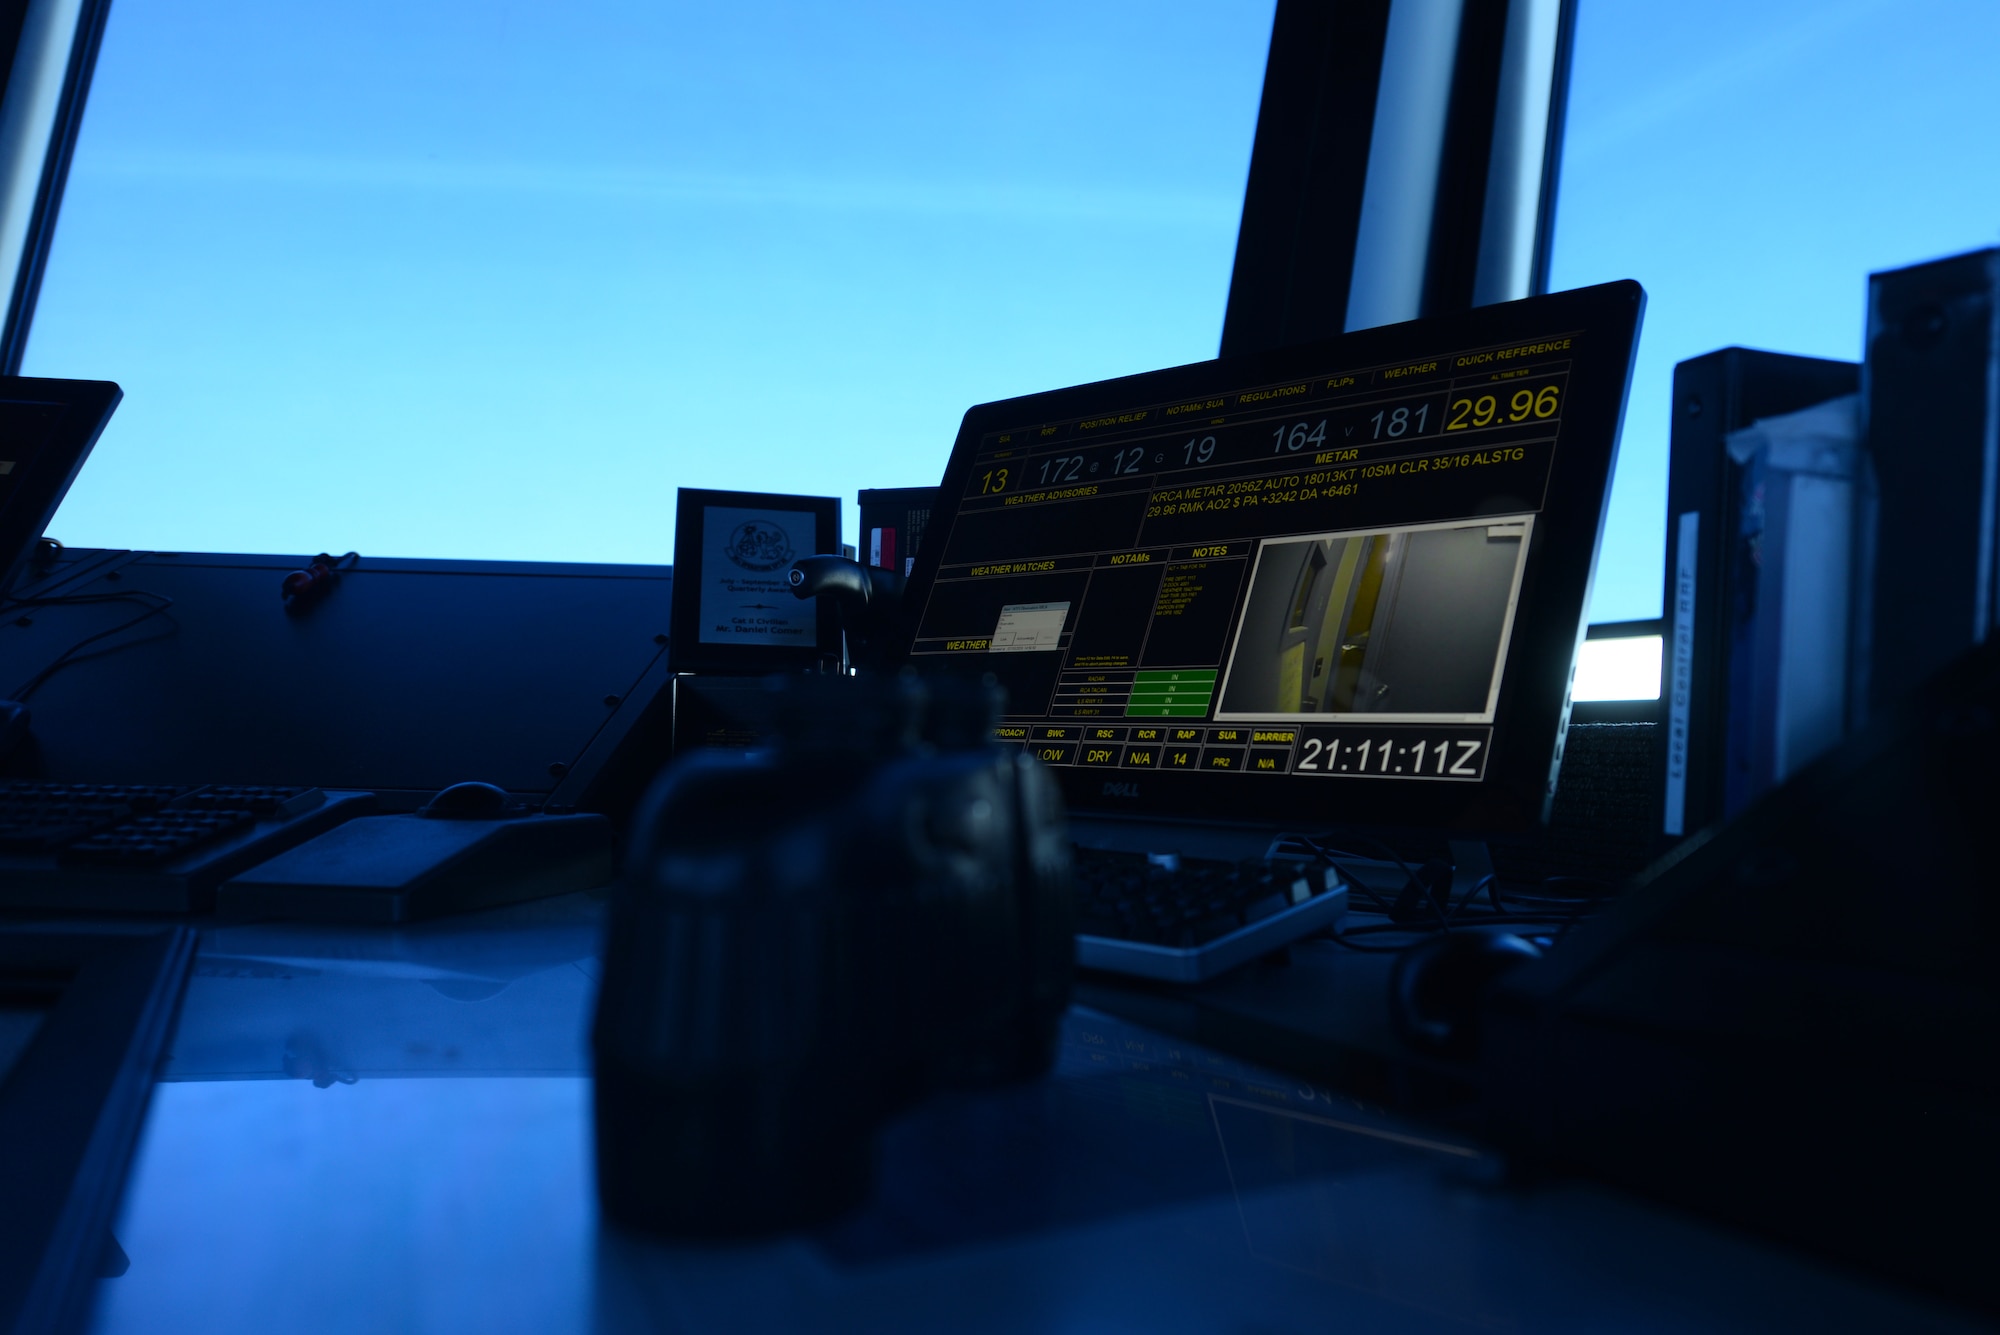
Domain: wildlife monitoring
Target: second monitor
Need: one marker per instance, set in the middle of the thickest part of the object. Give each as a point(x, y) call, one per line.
point(1363, 562)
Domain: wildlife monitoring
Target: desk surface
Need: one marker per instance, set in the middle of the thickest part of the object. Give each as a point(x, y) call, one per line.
point(389, 1131)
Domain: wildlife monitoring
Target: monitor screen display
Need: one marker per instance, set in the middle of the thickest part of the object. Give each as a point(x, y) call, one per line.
point(1356, 563)
point(47, 429)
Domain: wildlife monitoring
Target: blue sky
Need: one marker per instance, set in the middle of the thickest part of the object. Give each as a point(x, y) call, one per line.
point(491, 280)
point(1751, 164)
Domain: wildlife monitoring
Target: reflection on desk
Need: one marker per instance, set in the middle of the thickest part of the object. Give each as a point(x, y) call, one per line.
point(1146, 1185)
point(488, 994)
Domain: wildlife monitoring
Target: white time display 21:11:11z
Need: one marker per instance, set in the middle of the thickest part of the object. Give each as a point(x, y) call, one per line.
point(1393, 753)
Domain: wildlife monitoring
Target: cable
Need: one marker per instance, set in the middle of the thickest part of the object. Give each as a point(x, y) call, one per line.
point(1343, 940)
point(1410, 878)
point(1346, 936)
point(1355, 881)
point(1576, 905)
point(1510, 920)
point(1526, 910)
point(71, 655)
point(1485, 882)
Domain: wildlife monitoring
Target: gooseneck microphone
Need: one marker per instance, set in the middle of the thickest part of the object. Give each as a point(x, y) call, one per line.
point(868, 599)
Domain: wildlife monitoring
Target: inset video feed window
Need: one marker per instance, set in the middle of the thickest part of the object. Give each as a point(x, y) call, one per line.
point(1403, 623)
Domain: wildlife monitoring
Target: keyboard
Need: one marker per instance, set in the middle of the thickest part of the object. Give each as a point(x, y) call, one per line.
point(1183, 919)
point(149, 848)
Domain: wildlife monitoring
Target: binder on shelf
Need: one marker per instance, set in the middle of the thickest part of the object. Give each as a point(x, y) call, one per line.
point(1931, 396)
point(1709, 561)
point(1790, 595)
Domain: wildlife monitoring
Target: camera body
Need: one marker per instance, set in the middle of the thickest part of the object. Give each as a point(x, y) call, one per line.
point(810, 937)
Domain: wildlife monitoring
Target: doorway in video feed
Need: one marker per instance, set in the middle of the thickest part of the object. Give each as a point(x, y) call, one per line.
point(1394, 623)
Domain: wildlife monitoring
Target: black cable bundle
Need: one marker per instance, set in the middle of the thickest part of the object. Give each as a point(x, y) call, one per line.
point(154, 605)
point(1425, 905)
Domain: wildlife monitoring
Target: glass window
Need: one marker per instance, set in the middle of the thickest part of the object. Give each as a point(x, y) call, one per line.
point(491, 280)
point(1751, 165)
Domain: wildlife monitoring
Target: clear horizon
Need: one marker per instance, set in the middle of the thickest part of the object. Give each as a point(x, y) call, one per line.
point(487, 282)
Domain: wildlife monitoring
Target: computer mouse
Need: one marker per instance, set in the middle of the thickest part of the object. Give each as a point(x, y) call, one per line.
point(1437, 986)
point(468, 801)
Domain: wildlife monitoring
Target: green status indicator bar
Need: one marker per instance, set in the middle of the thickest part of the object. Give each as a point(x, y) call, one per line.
point(1177, 693)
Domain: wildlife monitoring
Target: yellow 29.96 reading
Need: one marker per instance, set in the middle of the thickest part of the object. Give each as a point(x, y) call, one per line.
point(1523, 405)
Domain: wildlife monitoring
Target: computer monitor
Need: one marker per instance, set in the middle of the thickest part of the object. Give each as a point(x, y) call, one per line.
point(1342, 582)
point(47, 429)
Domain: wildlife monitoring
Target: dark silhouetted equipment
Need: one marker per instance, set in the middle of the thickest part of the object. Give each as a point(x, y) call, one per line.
point(471, 800)
point(868, 599)
point(1295, 245)
point(1931, 392)
point(893, 522)
point(729, 712)
point(1438, 985)
point(1338, 583)
point(14, 720)
point(733, 610)
point(1712, 561)
point(540, 678)
point(72, 1101)
point(468, 848)
point(301, 590)
point(1182, 919)
point(187, 729)
point(149, 848)
point(1788, 1022)
point(47, 430)
point(1604, 822)
point(808, 938)
point(1334, 81)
